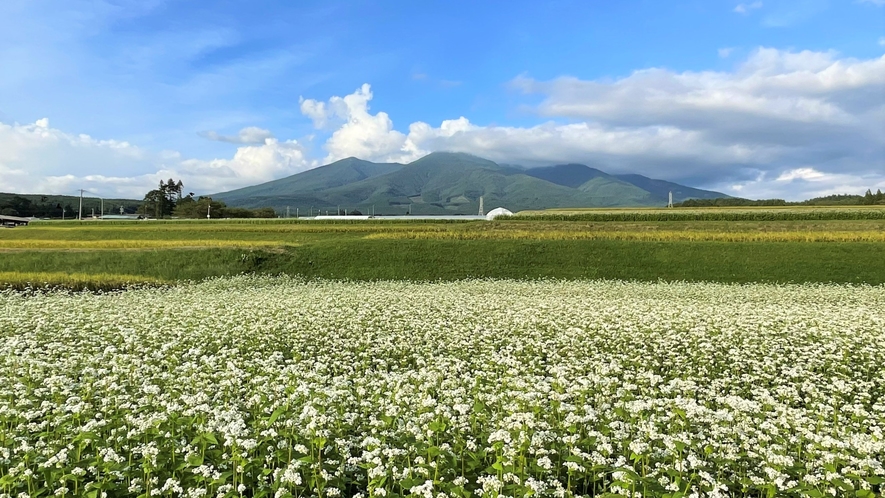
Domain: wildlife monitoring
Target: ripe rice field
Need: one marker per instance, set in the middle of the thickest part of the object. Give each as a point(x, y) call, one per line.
point(281, 386)
point(107, 255)
point(280, 233)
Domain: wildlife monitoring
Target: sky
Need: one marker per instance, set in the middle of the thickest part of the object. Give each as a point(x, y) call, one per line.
point(758, 99)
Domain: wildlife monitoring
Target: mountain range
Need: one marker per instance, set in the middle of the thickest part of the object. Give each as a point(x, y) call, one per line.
point(452, 183)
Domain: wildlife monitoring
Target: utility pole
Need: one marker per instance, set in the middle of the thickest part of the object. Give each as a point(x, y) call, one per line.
point(287, 211)
point(296, 213)
point(80, 211)
point(209, 211)
point(670, 202)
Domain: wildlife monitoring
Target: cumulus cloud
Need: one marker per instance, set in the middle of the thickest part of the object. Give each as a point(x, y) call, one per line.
point(36, 158)
point(249, 135)
point(781, 124)
point(361, 133)
point(778, 111)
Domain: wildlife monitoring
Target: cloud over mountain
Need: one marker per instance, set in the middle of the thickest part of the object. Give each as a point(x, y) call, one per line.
point(777, 111)
point(780, 124)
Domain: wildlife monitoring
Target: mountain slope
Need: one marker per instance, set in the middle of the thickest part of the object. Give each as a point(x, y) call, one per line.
point(451, 183)
point(567, 175)
point(605, 188)
point(343, 172)
point(443, 183)
point(662, 188)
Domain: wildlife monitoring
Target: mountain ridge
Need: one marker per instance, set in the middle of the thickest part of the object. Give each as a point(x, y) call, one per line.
point(452, 183)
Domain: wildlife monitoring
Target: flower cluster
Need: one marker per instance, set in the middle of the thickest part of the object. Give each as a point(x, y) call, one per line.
point(258, 386)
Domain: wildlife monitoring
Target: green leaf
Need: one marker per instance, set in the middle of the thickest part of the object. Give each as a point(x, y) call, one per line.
point(276, 414)
point(844, 485)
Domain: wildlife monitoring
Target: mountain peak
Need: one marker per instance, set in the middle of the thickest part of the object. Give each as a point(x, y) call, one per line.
point(452, 183)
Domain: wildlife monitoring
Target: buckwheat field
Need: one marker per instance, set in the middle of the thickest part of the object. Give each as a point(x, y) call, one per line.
point(281, 387)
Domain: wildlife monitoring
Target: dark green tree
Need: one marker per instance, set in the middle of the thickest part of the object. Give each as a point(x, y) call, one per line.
point(162, 200)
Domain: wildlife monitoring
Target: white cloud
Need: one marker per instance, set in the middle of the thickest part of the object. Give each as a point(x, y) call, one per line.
point(361, 134)
point(35, 158)
point(249, 135)
point(778, 108)
point(725, 52)
point(777, 112)
point(781, 124)
point(882, 40)
point(806, 183)
point(809, 174)
point(743, 8)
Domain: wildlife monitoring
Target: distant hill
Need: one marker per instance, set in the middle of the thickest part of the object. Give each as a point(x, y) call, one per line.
point(57, 206)
point(452, 183)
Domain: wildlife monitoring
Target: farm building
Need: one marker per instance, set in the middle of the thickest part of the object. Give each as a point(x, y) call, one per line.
point(13, 221)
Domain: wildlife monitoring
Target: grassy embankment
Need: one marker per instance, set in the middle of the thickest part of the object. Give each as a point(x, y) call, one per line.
point(788, 249)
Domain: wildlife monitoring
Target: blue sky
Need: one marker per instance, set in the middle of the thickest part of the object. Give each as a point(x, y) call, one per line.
point(772, 98)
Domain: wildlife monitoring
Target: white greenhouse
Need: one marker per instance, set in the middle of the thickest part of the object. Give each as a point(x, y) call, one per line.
point(494, 213)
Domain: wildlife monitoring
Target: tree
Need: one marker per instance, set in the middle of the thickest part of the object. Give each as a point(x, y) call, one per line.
point(17, 206)
point(198, 208)
point(163, 199)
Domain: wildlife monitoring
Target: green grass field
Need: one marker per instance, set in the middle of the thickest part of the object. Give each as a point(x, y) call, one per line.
point(105, 255)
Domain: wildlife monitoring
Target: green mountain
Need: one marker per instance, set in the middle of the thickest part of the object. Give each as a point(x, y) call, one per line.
point(605, 188)
point(441, 183)
point(661, 188)
point(568, 175)
point(343, 172)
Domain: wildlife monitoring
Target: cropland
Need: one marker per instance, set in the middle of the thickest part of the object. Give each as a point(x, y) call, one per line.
point(279, 386)
point(662, 353)
point(786, 245)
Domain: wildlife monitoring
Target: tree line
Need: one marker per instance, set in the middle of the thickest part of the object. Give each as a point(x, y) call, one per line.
point(868, 199)
point(60, 206)
point(167, 201)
